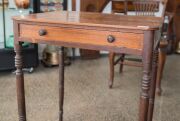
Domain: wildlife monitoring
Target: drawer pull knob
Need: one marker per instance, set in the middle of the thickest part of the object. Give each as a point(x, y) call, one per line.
point(42, 32)
point(111, 39)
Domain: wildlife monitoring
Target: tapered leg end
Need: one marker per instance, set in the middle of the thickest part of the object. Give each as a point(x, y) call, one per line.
point(159, 91)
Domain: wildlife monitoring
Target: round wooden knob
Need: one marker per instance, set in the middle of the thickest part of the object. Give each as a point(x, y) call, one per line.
point(111, 39)
point(42, 32)
point(22, 3)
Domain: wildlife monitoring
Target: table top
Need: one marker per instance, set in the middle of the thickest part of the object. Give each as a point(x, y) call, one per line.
point(94, 19)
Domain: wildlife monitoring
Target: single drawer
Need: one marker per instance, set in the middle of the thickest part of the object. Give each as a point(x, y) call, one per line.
point(82, 36)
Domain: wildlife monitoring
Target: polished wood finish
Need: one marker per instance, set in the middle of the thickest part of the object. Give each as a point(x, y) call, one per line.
point(146, 79)
point(19, 76)
point(20, 82)
point(89, 31)
point(153, 84)
point(102, 21)
point(93, 37)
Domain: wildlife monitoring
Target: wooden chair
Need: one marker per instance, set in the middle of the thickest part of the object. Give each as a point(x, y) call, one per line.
point(142, 8)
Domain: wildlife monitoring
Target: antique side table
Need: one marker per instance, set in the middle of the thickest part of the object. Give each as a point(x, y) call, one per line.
point(96, 31)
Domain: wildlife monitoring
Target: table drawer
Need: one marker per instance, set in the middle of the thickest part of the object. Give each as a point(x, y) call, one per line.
point(82, 36)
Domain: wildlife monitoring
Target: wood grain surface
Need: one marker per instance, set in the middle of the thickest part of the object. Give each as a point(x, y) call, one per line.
point(82, 36)
point(94, 19)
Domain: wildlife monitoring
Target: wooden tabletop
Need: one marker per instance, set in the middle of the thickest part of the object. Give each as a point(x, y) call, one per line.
point(94, 19)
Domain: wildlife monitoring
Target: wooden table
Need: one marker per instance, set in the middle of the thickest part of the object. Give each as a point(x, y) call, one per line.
point(120, 34)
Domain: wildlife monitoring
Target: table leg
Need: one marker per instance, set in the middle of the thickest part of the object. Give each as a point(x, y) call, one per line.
point(153, 86)
point(147, 66)
point(111, 65)
point(20, 82)
point(161, 64)
point(61, 82)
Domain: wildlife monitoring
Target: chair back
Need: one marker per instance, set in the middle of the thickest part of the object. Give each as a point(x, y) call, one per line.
point(146, 8)
point(140, 7)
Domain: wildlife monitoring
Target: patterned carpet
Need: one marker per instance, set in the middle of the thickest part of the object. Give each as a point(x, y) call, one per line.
point(87, 97)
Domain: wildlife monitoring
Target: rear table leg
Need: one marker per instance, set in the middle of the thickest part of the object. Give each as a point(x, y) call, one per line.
point(61, 82)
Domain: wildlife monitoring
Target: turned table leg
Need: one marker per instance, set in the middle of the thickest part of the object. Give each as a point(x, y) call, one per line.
point(61, 82)
point(153, 86)
point(147, 66)
point(20, 82)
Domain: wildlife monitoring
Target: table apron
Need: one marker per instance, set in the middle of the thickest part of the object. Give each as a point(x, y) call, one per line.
point(125, 42)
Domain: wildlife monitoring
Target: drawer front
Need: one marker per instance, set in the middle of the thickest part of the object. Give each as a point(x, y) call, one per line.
point(82, 36)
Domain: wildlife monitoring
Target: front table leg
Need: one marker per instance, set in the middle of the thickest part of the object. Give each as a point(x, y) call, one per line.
point(153, 86)
point(61, 82)
point(20, 82)
point(147, 66)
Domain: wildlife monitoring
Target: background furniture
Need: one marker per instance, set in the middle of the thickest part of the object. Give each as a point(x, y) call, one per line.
point(173, 6)
point(142, 8)
point(7, 54)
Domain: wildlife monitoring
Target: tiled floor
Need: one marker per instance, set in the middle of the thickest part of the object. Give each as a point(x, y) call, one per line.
point(87, 97)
